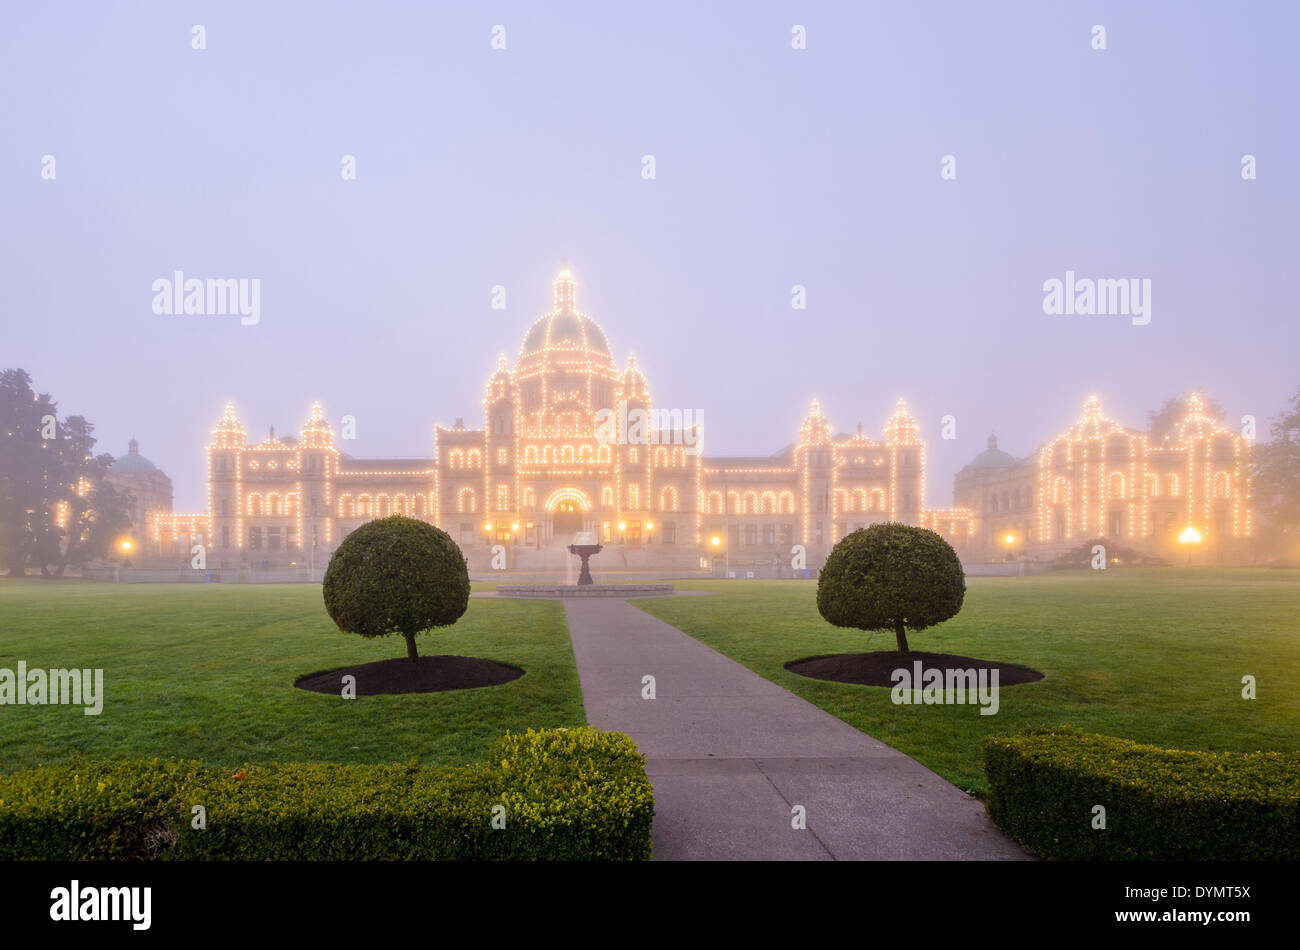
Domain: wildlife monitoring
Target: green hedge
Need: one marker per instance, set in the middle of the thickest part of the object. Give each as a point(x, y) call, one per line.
point(1161, 804)
point(575, 794)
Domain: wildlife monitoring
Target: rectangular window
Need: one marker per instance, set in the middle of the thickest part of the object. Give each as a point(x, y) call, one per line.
point(733, 536)
point(751, 535)
point(255, 539)
point(466, 535)
point(769, 535)
point(670, 532)
point(273, 539)
point(225, 537)
point(787, 535)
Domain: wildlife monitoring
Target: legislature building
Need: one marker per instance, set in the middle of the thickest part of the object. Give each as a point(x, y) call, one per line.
point(570, 442)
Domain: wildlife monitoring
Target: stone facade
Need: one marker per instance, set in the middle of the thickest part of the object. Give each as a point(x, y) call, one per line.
point(1184, 496)
point(573, 443)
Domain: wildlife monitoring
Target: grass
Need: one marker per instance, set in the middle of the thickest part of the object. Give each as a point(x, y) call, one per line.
point(1153, 655)
point(207, 671)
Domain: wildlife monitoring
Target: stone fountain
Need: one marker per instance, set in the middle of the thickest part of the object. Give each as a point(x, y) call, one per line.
point(585, 545)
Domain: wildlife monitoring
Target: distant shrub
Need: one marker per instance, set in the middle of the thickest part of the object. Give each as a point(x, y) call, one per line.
point(1161, 804)
point(396, 575)
point(575, 794)
point(1116, 554)
point(891, 577)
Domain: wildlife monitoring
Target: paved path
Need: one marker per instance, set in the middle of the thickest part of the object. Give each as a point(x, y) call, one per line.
point(731, 753)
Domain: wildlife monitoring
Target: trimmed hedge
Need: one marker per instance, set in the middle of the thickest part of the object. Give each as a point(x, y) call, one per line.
point(569, 794)
point(1161, 804)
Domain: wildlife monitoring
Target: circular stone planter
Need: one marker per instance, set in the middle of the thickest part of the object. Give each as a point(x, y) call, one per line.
point(428, 674)
point(876, 669)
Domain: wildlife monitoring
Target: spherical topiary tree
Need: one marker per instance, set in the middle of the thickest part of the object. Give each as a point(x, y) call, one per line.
point(891, 577)
point(396, 575)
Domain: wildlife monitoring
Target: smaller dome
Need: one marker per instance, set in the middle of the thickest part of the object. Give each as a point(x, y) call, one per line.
point(133, 462)
point(992, 457)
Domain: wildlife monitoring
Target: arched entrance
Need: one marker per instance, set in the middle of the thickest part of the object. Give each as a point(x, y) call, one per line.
point(566, 519)
point(568, 509)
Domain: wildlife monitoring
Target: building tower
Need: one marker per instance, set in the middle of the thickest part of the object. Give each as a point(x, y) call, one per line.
point(225, 489)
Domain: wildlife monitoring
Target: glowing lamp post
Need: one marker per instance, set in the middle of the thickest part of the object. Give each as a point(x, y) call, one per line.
point(1190, 538)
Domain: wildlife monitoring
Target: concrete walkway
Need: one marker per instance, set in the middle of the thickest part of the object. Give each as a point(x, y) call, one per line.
point(730, 754)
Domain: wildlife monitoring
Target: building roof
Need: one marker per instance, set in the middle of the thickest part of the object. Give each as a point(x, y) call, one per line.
point(992, 457)
point(133, 463)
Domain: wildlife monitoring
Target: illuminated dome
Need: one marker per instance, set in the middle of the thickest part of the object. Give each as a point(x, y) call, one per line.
point(564, 328)
point(565, 372)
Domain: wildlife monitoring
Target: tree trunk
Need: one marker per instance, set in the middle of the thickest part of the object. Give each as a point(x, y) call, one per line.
point(901, 634)
point(410, 649)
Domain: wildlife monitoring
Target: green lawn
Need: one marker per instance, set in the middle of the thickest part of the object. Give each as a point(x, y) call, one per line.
point(1154, 655)
point(207, 671)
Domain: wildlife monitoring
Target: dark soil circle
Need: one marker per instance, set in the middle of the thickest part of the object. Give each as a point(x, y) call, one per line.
point(428, 674)
point(876, 669)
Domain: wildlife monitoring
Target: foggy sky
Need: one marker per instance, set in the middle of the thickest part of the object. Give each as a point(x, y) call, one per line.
point(775, 167)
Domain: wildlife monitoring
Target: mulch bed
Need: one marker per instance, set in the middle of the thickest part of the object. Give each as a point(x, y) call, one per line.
point(875, 669)
point(428, 674)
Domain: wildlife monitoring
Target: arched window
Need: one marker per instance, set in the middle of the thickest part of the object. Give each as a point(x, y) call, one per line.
point(344, 503)
point(661, 457)
point(634, 496)
point(1222, 485)
point(1118, 485)
point(733, 503)
point(474, 459)
point(254, 504)
point(785, 502)
point(603, 454)
point(679, 457)
point(715, 503)
point(842, 500)
point(566, 454)
point(400, 504)
point(876, 498)
point(548, 454)
point(585, 453)
point(767, 502)
point(465, 501)
point(751, 503)
point(668, 499)
point(455, 459)
point(530, 455)
point(503, 498)
point(381, 505)
point(607, 496)
point(1172, 482)
point(859, 499)
point(362, 509)
point(1153, 484)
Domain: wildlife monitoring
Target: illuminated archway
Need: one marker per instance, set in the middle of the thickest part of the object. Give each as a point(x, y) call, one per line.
point(567, 508)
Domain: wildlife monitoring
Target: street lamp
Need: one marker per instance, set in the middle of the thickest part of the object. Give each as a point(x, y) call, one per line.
point(649, 532)
point(1189, 538)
